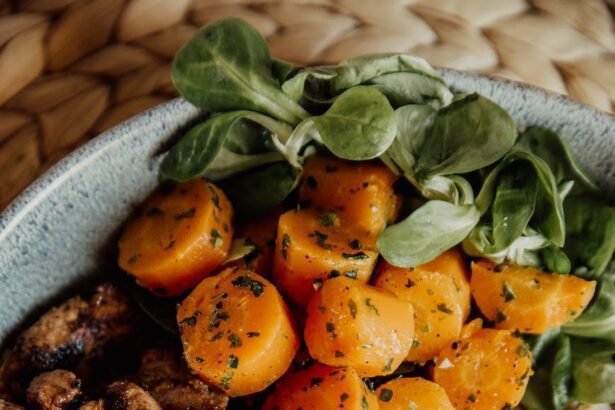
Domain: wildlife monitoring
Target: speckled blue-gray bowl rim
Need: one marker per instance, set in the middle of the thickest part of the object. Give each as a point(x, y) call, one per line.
point(51, 235)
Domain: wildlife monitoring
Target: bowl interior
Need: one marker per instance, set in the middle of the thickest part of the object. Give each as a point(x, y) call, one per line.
point(53, 234)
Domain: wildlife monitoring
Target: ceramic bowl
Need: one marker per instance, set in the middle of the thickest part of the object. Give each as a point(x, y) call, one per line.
point(54, 234)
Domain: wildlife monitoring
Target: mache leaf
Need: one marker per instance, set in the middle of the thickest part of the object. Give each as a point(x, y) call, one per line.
point(226, 66)
point(430, 230)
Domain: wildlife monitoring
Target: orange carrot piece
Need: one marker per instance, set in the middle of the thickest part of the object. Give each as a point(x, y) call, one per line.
point(353, 324)
point(360, 192)
point(313, 246)
point(412, 393)
point(488, 370)
point(471, 327)
point(527, 299)
point(437, 303)
point(237, 332)
point(453, 263)
point(321, 387)
point(182, 235)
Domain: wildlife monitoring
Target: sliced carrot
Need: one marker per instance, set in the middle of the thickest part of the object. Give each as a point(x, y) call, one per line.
point(361, 192)
point(313, 246)
point(353, 324)
point(321, 387)
point(453, 263)
point(237, 332)
point(438, 306)
point(527, 299)
point(488, 370)
point(182, 234)
point(261, 235)
point(412, 393)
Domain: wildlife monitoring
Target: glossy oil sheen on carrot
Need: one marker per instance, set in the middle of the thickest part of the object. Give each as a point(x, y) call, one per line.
point(182, 234)
point(237, 332)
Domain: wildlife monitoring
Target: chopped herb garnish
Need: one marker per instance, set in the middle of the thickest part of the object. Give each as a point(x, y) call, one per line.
point(233, 362)
point(416, 343)
point(317, 283)
point(170, 245)
point(154, 212)
point(285, 245)
point(316, 381)
point(500, 316)
point(191, 320)
point(385, 395)
point(387, 366)
point(132, 259)
point(216, 316)
point(355, 244)
point(321, 239)
point(507, 292)
point(328, 219)
point(344, 396)
point(199, 359)
point(234, 339)
point(410, 283)
point(226, 380)
point(352, 274)
point(253, 334)
point(217, 336)
point(322, 309)
point(216, 239)
point(214, 197)
point(187, 214)
point(311, 182)
point(425, 328)
point(358, 255)
point(331, 329)
point(368, 303)
point(364, 404)
point(443, 308)
point(472, 398)
point(244, 281)
point(334, 273)
point(353, 308)
point(339, 354)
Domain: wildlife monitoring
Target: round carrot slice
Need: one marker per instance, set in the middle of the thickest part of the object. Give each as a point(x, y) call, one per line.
point(488, 370)
point(182, 234)
point(321, 387)
point(526, 299)
point(360, 192)
point(313, 246)
point(438, 312)
point(353, 324)
point(412, 393)
point(236, 332)
point(453, 264)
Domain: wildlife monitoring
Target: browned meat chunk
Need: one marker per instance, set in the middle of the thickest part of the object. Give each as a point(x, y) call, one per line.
point(55, 390)
point(63, 337)
point(168, 380)
point(5, 405)
point(128, 396)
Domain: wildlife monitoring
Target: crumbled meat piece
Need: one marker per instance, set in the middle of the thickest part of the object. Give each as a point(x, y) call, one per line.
point(5, 405)
point(168, 380)
point(54, 390)
point(67, 335)
point(128, 396)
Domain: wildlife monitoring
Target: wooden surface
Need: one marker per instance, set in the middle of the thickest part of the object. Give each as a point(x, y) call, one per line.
point(70, 69)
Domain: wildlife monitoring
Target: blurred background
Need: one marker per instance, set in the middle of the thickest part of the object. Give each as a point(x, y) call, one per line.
point(70, 69)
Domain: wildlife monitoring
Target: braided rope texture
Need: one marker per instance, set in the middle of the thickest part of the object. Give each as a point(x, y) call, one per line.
point(70, 69)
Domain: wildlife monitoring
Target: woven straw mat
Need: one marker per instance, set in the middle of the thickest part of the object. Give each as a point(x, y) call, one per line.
point(70, 69)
